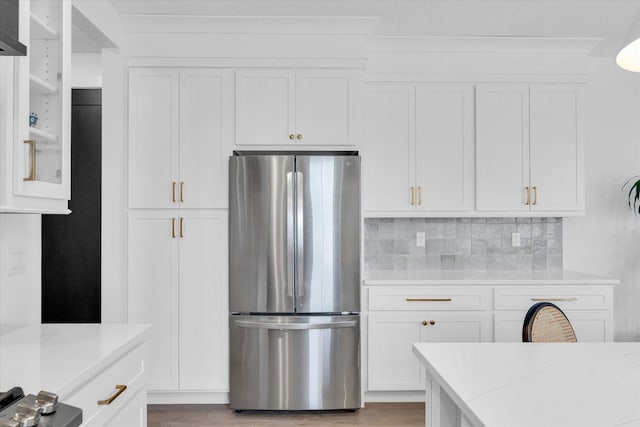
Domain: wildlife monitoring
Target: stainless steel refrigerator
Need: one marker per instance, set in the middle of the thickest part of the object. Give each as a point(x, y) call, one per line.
point(294, 288)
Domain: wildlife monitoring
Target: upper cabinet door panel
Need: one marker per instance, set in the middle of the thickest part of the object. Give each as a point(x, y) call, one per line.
point(204, 138)
point(265, 107)
point(556, 147)
point(153, 136)
point(388, 148)
point(444, 147)
point(324, 107)
point(502, 147)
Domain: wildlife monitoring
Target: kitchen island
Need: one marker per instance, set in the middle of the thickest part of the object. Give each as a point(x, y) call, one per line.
point(82, 363)
point(531, 385)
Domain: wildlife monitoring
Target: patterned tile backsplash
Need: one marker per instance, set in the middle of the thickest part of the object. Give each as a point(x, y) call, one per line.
point(479, 244)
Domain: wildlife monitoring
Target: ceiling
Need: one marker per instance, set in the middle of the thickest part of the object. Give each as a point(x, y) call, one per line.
point(608, 20)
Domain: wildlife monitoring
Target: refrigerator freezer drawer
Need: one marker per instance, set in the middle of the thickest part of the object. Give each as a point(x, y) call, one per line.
point(294, 362)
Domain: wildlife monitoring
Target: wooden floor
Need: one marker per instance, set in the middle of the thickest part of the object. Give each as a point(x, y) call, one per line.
point(374, 414)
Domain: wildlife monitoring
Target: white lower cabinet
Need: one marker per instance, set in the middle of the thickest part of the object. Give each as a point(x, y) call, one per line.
point(128, 407)
point(400, 315)
point(392, 365)
point(178, 283)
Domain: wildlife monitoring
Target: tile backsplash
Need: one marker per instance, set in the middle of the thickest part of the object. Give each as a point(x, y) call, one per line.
point(479, 244)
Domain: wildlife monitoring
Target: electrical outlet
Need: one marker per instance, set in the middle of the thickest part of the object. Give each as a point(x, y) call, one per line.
point(515, 240)
point(420, 239)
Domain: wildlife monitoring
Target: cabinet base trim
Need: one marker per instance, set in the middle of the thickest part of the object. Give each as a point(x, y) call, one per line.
point(393, 396)
point(187, 397)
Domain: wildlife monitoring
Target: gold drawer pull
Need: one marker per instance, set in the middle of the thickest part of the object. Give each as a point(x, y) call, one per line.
point(173, 228)
point(535, 195)
point(173, 191)
point(181, 191)
point(429, 299)
point(119, 389)
point(413, 196)
point(181, 226)
point(554, 299)
point(528, 190)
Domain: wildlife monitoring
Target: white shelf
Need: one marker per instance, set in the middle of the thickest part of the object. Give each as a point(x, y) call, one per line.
point(39, 86)
point(46, 136)
point(41, 31)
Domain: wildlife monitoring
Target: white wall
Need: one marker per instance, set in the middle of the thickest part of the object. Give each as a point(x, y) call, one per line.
point(86, 70)
point(607, 240)
point(20, 293)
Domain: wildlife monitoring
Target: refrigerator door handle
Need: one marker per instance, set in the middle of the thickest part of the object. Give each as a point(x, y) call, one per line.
point(294, 326)
point(300, 233)
point(290, 235)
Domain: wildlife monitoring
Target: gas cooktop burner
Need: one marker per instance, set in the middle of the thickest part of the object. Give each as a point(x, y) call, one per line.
point(18, 410)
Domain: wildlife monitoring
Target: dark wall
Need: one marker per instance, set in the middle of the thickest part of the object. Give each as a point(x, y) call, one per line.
point(71, 291)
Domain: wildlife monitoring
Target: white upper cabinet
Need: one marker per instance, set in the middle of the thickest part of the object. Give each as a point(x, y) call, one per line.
point(529, 148)
point(418, 148)
point(179, 132)
point(388, 148)
point(281, 107)
point(557, 170)
point(36, 112)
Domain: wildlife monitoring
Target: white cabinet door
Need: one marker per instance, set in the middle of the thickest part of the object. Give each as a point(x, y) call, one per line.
point(325, 107)
point(388, 148)
point(133, 414)
point(589, 326)
point(502, 147)
point(153, 292)
point(391, 363)
point(203, 301)
point(444, 147)
point(556, 148)
point(265, 107)
point(205, 115)
point(459, 326)
point(153, 137)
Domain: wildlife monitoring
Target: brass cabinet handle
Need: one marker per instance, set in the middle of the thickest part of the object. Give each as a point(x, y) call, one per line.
point(292, 136)
point(432, 322)
point(413, 196)
point(429, 299)
point(120, 388)
point(173, 191)
point(181, 191)
point(419, 195)
point(528, 190)
point(299, 136)
point(535, 195)
point(181, 222)
point(424, 323)
point(173, 228)
point(32, 152)
point(554, 299)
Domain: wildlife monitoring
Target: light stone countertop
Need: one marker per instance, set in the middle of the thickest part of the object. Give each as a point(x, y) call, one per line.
point(61, 357)
point(460, 277)
point(541, 384)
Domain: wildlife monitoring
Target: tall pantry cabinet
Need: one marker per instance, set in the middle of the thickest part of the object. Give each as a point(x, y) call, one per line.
point(179, 137)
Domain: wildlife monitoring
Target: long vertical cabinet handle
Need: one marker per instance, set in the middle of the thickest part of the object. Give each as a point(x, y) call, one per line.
point(300, 232)
point(173, 228)
point(32, 153)
point(290, 234)
point(181, 226)
point(419, 195)
point(181, 191)
point(413, 196)
point(535, 195)
point(173, 191)
point(528, 190)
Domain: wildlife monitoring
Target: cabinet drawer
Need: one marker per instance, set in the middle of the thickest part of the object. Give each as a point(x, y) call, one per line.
point(589, 326)
point(128, 370)
point(430, 298)
point(566, 297)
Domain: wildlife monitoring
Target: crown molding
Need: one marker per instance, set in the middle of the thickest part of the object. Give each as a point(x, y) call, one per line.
point(483, 44)
point(356, 25)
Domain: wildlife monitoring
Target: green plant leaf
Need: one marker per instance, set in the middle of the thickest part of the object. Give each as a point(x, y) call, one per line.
point(634, 194)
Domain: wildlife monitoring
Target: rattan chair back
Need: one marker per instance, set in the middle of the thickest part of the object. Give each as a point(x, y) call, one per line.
point(545, 322)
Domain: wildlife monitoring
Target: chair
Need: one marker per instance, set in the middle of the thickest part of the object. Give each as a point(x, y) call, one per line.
point(545, 322)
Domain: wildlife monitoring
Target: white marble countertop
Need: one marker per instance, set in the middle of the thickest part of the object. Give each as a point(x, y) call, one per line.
point(542, 384)
point(61, 357)
point(460, 277)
